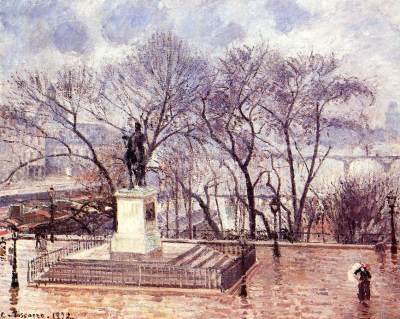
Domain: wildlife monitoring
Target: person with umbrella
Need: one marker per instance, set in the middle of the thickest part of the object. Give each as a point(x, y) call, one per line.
point(364, 279)
point(3, 247)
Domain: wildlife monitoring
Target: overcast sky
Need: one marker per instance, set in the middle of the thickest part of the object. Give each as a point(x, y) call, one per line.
point(364, 33)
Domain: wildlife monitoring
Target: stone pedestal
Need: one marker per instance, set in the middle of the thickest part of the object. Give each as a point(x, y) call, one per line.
point(137, 232)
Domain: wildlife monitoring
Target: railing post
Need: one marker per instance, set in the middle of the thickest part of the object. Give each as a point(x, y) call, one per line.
point(194, 232)
point(140, 275)
point(28, 274)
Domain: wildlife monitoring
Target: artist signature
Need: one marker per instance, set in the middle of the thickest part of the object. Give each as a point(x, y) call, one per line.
point(54, 315)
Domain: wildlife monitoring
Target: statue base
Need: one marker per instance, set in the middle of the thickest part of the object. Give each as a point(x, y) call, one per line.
point(137, 232)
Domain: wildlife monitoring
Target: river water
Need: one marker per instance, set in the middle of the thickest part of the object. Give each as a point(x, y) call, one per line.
point(303, 283)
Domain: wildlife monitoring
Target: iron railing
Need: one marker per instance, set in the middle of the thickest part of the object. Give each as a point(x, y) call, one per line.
point(207, 234)
point(238, 268)
point(112, 272)
point(40, 264)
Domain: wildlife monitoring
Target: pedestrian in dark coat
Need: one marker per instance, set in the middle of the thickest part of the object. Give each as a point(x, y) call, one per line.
point(364, 281)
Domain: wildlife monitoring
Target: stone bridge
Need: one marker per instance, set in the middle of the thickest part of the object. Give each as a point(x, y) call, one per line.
point(386, 164)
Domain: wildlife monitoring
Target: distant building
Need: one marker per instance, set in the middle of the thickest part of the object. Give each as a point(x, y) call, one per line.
point(98, 135)
point(20, 147)
point(393, 118)
point(16, 211)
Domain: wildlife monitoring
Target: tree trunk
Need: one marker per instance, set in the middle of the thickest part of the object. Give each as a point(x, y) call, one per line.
point(210, 221)
point(204, 206)
point(309, 230)
point(267, 228)
point(297, 218)
point(189, 210)
point(236, 207)
point(251, 203)
point(310, 176)
point(280, 222)
point(176, 208)
point(114, 209)
point(289, 219)
point(167, 218)
point(218, 210)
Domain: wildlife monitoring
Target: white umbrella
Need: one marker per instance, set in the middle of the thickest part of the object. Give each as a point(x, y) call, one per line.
point(350, 274)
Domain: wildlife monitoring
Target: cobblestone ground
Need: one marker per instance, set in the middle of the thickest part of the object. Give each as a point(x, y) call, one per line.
point(304, 283)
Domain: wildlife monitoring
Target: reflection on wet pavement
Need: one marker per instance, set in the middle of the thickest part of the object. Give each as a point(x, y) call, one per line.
point(303, 283)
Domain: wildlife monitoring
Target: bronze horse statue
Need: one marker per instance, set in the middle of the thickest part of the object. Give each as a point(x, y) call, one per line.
point(134, 157)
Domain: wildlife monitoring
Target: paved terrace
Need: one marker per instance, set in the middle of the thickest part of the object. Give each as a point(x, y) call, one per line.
point(307, 282)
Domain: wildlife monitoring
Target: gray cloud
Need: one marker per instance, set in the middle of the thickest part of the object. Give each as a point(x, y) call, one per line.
point(287, 14)
point(207, 25)
point(32, 29)
point(364, 32)
point(200, 22)
point(128, 20)
point(232, 32)
point(71, 36)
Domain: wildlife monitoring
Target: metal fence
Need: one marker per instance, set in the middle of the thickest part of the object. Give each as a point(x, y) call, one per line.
point(111, 272)
point(242, 263)
point(207, 234)
point(42, 263)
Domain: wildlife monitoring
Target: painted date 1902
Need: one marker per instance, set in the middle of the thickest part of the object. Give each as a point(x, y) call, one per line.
point(54, 315)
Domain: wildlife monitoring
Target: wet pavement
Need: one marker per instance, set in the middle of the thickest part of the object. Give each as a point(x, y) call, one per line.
point(303, 283)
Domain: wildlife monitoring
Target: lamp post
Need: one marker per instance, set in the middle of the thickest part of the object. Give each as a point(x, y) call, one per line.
point(243, 286)
point(391, 199)
point(274, 205)
point(14, 278)
point(52, 194)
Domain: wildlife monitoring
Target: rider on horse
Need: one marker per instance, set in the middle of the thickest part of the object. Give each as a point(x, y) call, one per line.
point(134, 156)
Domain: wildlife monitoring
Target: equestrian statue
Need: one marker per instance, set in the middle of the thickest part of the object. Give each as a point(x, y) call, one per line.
point(134, 157)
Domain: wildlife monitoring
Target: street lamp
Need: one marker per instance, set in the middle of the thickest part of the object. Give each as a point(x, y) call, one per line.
point(52, 194)
point(243, 286)
point(14, 278)
point(391, 199)
point(274, 205)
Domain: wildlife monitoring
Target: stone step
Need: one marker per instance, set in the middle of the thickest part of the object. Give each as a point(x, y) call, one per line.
point(205, 256)
point(179, 258)
point(110, 271)
point(224, 260)
point(193, 257)
point(211, 259)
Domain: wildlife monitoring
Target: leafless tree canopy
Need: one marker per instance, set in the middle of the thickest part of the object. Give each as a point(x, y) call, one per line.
point(357, 206)
point(257, 114)
point(307, 94)
point(155, 85)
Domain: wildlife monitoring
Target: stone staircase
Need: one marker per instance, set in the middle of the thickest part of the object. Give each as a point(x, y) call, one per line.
point(198, 267)
point(202, 257)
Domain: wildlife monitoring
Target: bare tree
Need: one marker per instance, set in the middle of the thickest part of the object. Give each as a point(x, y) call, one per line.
point(306, 95)
point(154, 85)
point(191, 166)
point(356, 206)
point(229, 113)
point(50, 109)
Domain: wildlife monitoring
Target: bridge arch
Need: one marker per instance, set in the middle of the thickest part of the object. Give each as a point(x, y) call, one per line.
point(330, 172)
point(366, 166)
point(395, 167)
